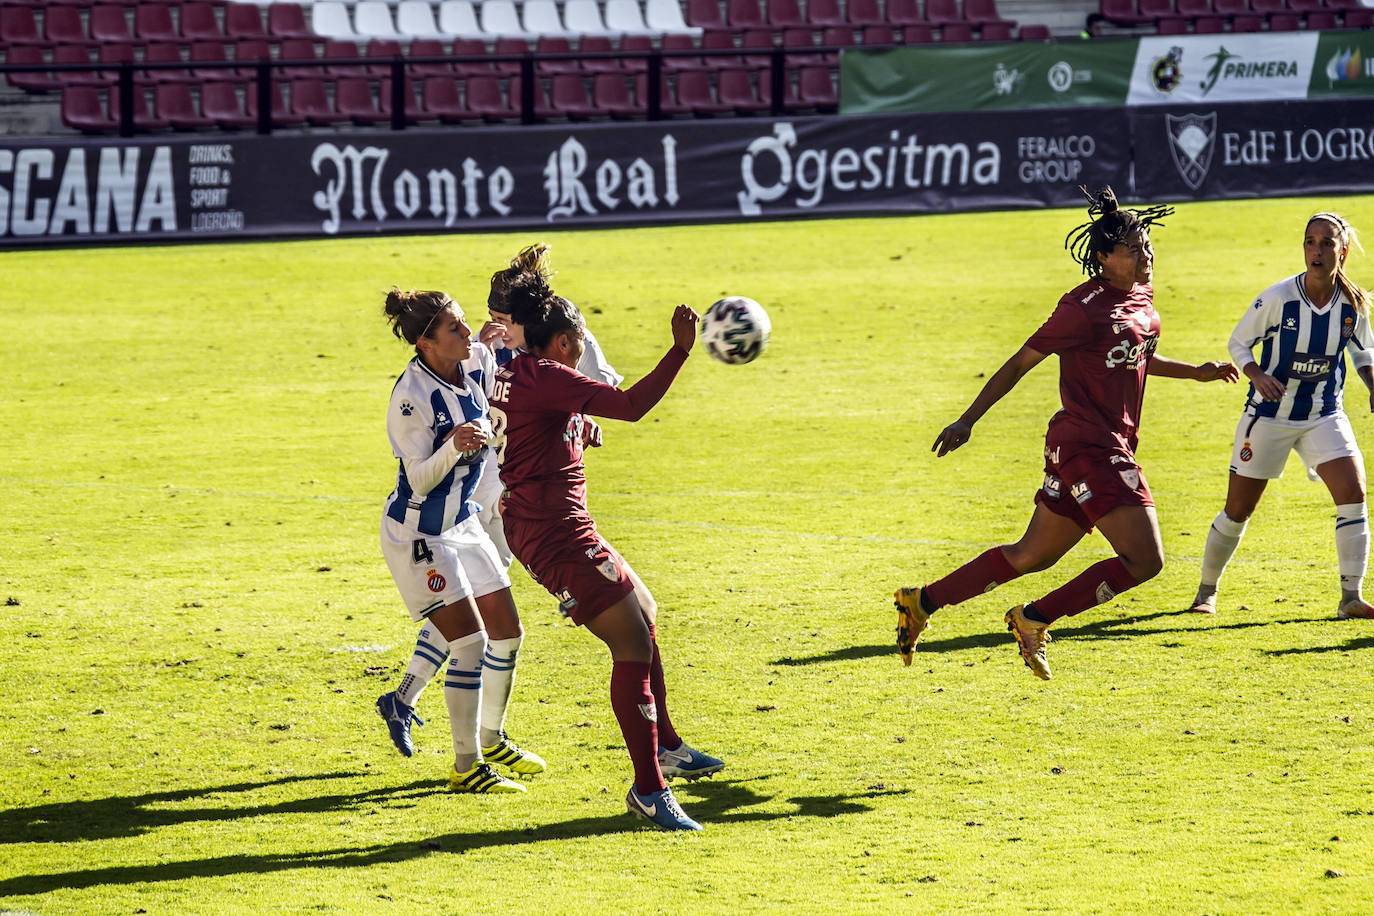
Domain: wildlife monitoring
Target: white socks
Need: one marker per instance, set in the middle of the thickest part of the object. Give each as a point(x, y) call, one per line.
point(463, 695)
point(498, 677)
point(430, 651)
point(1352, 548)
point(1222, 540)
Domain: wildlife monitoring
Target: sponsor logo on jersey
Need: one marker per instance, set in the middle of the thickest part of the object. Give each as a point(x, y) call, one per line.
point(1290, 324)
point(1118, 459)
point(436, 581)
point(1052, 454)
point(1052, 486)
point(1131, 477)
point(1258, 303)
point(1309, 366)
point(1080, 492)
point(1130, 354)
point(441, 419)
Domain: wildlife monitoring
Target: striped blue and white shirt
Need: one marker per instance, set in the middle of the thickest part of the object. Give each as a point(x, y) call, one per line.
point(434, 481)
point(1303, 347)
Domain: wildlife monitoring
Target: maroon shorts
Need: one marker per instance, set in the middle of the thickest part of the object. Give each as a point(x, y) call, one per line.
point(570, 559)
point(1084, 482)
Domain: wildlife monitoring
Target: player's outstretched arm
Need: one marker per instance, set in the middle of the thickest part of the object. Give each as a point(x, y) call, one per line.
point(1002, 381)
point(634, 402)
point(1215, 371)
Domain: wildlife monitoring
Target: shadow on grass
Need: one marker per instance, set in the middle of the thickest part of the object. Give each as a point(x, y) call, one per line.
point(719, 802)
point(132, 815)
point(1350, 645)
point(1115, 628)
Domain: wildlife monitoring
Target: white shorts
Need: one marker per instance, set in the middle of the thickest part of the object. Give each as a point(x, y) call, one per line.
point(1262, 445)
point(432, 571)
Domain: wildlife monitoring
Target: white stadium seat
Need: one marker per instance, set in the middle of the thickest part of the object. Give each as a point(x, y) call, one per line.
point(372, 19)
point(415, 19)
point(330, 19)
point(540, 17)
point(498, 17)
point(625, 17)
point(584, 18)
point(666, 16)
point(457, 17)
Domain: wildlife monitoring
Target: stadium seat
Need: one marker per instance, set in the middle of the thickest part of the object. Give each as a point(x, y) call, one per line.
point(165, 52)
point(470, 48)
point(583, 17)
point(816, 90)
point(297, 49)
point(75, 54)
point(329, 19)
point(62, 25)
point(956, 32)
point(835, 37)
point(35, 81)
point(983, 12)
point(1358, 19)
point(1172, 27)
point(1034, 32)
point(1318, 21)
point(19, 26)
point(902, 13)
point(198, 22)
point(219, 102)
point(1307, 6)
point(383, 51)
point(665, 17)
point(248, 52)
point(540, 17)
point(109, 25)
point(287, 20)
point(797, 42)
point(634, 47)
point(282, 115)
point(611, 95)
point(408, 101)
point(499, 18)
point(758, 39)
point(668, 105)
point(1120, 12)
point(1155, 10)
point(598, 44)
point(554, 44)
point(211, 52)
point(243, 20)
point(415, 20)
point(1189, 10)
point(336, 50)
point(825, 13)
point(144, 118)
point(863, 13)
point(627, 18)
point(919, 34)
point(505, 47)
point(672, 63)
point(486, 100)
point(428, 47)
point(784, 14)
point(115, 55)
point(372, 19)
point(735, 89)
point(175, 104)
point(719, 41)
point(876, 35)
point(440, 100)
point(693, 92)
point(1231, 8)
point(458, 17)
point(83, 109)
point(153, 22)
point(743, 14)
point(1247, 23)
point(940, 13)
point(995, 31)
point(1209, 25)
point(568, 98)
point(704, 14)
point(1266, 8)
point(310, 102)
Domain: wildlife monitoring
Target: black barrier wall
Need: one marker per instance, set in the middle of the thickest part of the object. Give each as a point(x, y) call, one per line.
point(666, 172)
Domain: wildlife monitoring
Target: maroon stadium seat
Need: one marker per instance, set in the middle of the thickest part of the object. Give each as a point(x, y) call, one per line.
point(1358, 19)
point(815, 89)
point(784, 14)
point(1230, 8)
point(243, 20)
point(470, 47)
point(282, 115)
point(634, 44)
point(175, 104)
point(441, 100)
point(336, 49)
point(904, 12)
point(694, 93)
point(735, 89)
point(983, 12)
point(824, 13)
point(943, 12)
point(743, 14)
point(508, 46)
point(109, 25)
point(164, 52)
point(1120, 12)
point(760, 40)
point(83, 109)
point(554, 44)
point(412, 107)
point(353, 99)
point(1034, 32)
point(1209, 25)
point(1193, 9)
point(310, 101)
point(30, 82)
point(1154, 10)
point(1267, 7)
point(956, 32)
point(220, 103)
point(382, 51)
point(611, 94)
point(598, 44)
point(917, 35)
point(287, 20)
point(144, 119)
point(297, 49)
point(568, 97)
point(1318, 21)
point(879, 35)
point(211, 52)
point(861, 13)
point(427, 47)
point(673, 42)
point(198, 22)
point(114, 54)
point(836, 37)
point(248, 52)
point(668, 105)
point(486, 100)
point(704, 14)
point(1172, 27)
point(1307, 6)
point(798, 42)
point(19, 26)
point(1247, 23)
point(719, 41)
point(76, 54)
point(153, 22)
point(995, 31)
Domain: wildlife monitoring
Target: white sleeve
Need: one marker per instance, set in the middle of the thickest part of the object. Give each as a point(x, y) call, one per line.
point(593, 363)
point(1362, 344)
point(482, 361)
point(1261, 320)
point(411, 432)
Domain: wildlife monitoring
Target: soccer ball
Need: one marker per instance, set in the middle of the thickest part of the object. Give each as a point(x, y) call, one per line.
point(735, 330)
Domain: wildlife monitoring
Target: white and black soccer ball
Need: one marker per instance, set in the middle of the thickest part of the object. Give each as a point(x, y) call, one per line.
point(735, 330)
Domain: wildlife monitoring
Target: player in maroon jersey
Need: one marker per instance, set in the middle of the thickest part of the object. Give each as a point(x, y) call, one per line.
point(540, 406)
point(1105, 332)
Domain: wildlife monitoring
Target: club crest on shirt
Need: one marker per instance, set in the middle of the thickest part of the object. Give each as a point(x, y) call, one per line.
point(436, 581)
point(1348, 328)
point(1246, 453)
point(607, 569)
point(1131, 477)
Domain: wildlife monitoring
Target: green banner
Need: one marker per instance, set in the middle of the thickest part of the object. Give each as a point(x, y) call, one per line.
point(1007, 75)
point(1344, 65)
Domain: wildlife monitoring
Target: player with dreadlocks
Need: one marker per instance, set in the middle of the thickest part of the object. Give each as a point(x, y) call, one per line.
point(1105, 332)
point(1303, 325)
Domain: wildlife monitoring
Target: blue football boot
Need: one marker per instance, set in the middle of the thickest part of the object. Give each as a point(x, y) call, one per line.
point(398, 717)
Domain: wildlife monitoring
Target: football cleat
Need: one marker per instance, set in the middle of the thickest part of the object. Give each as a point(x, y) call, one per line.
point(1206, 600)
point(1031, 638)
point(398, 717)
point(509, 754)
point(687, 763)
point(1355, 609)
point(481, 778)
point(661, 808)
point(912, 621)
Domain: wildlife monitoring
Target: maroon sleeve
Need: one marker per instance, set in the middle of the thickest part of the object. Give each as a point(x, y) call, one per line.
point(635, 401)
point(1065, 329)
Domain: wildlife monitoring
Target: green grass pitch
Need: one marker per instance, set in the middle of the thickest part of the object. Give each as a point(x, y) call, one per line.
point(197, 618)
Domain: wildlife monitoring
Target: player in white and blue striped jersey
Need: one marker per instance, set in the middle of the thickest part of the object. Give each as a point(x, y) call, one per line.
point(1292, 344)
point(447, 569)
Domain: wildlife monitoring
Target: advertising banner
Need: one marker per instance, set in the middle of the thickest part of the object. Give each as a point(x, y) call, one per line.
point(1249, 67)
point(363, 182)
point(1344, 65)
point(1211, 152)
point(1005, 75)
